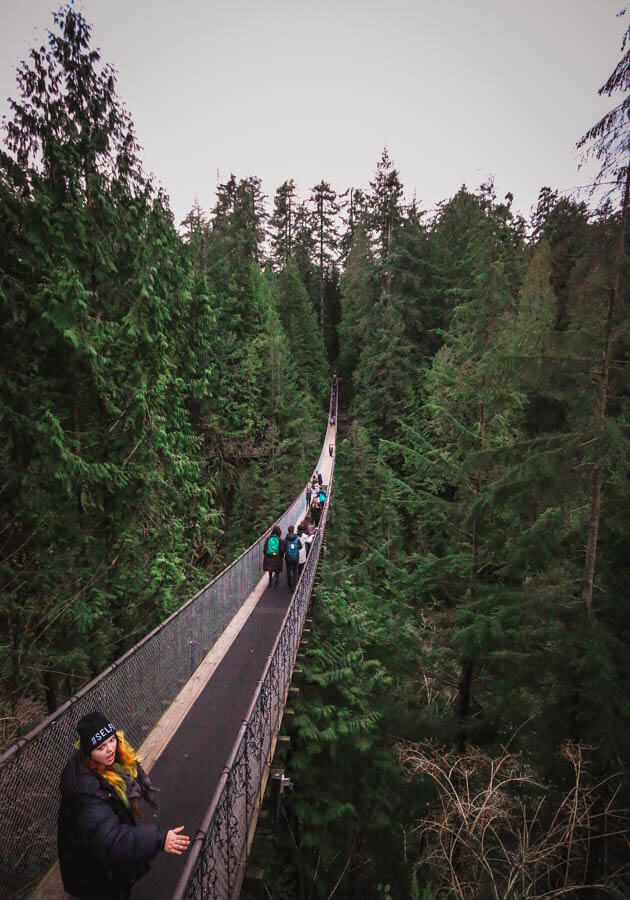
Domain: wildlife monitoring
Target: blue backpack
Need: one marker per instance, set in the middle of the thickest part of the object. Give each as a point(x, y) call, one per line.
point(292, 548)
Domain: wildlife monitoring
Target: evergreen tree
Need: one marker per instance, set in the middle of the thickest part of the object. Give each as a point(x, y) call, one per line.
point(282, 224)
point(385, 209)
point(300, 326)
point(610, 141)
point(304, 249)
point(383, 379)
point(415, 288)
point(563, 224)
point(357, 692)
point(97, 446)
point(356, 206)
point(607, 140)
point(238, 228)
point(196, 235)
point(359, 291)
point(323, 199)
point(332, 314)
point(284, 409)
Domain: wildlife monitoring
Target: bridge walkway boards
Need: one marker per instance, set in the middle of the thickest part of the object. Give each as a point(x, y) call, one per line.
point(189, 767)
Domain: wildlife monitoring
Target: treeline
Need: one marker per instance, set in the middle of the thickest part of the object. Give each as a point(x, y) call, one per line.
point(463, 726)
point(162, 397)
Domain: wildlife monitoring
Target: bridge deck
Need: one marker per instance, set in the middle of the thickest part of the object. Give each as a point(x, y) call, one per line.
point(187, 755)
point(189, 767)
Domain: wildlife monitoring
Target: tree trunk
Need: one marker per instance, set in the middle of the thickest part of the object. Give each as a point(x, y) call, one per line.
point(321, 266)
point(464, 689)
point(590, 556)
point(50, 689)
point(462, 701)
point(289, 235)
point(76, 425)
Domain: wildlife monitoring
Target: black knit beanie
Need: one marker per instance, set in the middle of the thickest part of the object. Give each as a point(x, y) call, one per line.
point(94, 728)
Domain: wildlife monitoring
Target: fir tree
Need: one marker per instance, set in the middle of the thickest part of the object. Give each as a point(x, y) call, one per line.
point(300, 326)
point(282, 224)
point(385, 209)
point(323, 199)
point(238, 224)
point(196, 235)
point(610, 141)
point(563, 224)
point(97, 443)
point(304, 249)
point(356, 206)
point(359, 290)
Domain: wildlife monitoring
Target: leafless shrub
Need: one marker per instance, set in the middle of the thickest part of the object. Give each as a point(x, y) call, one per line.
point(16, 718)
point(496, 832)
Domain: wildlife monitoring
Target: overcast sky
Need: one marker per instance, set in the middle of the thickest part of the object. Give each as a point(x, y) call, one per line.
point(456, 89)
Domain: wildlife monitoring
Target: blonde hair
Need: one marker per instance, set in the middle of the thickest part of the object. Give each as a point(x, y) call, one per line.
point(126, 759)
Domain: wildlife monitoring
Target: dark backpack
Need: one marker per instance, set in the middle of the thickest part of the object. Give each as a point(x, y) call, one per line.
point(273, 545)
point(292, 548)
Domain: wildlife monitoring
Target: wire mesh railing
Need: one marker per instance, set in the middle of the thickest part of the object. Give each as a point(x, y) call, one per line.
point(216, 865)
point(136, 689)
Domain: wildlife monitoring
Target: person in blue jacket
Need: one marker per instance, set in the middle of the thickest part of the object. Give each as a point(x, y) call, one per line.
point(103, 846)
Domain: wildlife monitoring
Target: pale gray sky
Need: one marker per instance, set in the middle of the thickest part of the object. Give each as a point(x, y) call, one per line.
point(458, 90)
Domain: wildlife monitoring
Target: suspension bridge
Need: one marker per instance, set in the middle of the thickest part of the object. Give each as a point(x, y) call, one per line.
point(203, 697)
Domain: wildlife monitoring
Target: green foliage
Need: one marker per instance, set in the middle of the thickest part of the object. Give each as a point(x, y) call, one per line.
point(97, 447)
point(300, 325)
point(385, 208)
point(282, 224)
point(607, 140)
point(148, 386)
point(161, 398)
point(359, 289)
point(358, 687)
point(464, 503)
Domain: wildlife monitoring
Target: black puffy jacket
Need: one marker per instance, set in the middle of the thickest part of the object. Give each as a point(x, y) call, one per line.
point(102, 849)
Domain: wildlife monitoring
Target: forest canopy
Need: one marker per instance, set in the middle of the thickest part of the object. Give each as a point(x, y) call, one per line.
point(463, 728)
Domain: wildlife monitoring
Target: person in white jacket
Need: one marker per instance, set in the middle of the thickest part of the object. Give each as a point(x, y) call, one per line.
point(304, 549)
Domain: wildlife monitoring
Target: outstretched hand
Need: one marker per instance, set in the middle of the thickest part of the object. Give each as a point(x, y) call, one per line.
point(176, 842)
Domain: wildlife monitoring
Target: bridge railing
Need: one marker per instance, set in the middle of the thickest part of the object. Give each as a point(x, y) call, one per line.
point(135, 691)
point(216, 864)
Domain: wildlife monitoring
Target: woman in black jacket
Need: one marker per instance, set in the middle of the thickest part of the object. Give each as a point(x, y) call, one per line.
point(103, 847)
point(273, 551)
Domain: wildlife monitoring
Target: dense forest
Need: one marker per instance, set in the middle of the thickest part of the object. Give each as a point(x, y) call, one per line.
point(463, 726)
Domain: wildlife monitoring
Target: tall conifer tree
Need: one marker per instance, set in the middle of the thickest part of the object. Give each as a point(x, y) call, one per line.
point(610, 141)
point(324, 202)
point(281, 224)
point(97, 445)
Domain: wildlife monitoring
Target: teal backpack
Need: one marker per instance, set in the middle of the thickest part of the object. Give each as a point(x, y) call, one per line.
point(273, 545)
point(292, 547)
